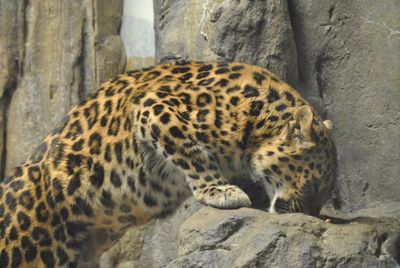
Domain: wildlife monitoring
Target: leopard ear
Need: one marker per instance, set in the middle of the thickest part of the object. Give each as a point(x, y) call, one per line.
point(302, 134)
point(304, 118)
point(328, 124)
point(298, 132)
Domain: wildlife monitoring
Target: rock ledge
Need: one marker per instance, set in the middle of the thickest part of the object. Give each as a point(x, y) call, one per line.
point(254, 238)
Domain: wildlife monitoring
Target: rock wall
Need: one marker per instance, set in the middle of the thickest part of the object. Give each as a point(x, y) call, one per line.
point(53, 53)
point(349, 53)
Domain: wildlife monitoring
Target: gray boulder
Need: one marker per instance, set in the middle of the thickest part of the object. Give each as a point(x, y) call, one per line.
point(253, 238)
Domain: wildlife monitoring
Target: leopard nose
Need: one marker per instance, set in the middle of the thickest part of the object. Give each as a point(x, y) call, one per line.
point(281, 206)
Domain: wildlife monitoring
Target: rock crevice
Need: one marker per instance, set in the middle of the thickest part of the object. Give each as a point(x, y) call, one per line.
point(53, 55)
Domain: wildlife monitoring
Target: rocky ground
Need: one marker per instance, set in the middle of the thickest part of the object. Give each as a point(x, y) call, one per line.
point(254, 238)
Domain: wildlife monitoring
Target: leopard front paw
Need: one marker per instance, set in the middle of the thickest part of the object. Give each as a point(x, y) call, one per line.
point(224, 197)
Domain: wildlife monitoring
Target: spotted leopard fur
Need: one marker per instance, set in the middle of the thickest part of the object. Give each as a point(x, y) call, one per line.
point(145, 141)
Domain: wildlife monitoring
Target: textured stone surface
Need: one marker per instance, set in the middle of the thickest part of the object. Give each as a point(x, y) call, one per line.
point(349, 52)
point(127, 251)
point(9, 12)
point(152, 245)
point(8, 51)
point(109, 49)
point(257, 32)
point(2, 118)
point(110, 56)
point(198, 236)
point(53, 54)
point(253, 238)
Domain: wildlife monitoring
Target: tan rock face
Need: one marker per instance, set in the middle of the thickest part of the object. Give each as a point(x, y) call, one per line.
point(55, 53)
point(1, 134)
point(8, 62)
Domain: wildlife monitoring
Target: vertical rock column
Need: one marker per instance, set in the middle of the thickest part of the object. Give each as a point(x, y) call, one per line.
point(9, 42)
point(54, 53)
point(257, 32)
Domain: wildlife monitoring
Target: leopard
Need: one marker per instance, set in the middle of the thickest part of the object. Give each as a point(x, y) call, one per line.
point(147, 140)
